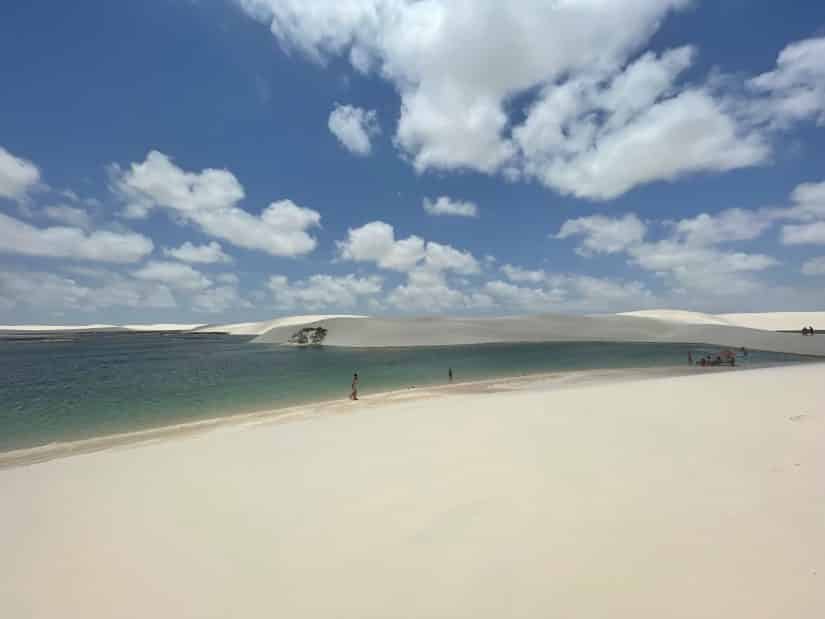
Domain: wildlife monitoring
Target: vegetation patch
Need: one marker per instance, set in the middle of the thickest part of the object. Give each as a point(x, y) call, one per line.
point(309, 335)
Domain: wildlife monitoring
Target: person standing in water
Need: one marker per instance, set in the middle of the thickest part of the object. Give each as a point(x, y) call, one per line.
point(690, 358)
point(450, 374)
point(354, 394)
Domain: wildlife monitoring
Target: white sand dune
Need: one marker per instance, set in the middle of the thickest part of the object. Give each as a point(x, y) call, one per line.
point(165, 326)
point(680, 316)
point(686, 497)
point(264, 326)
point(55, 328)
point(101, 327)
point(757, 331)
point(768, 321)
point(771, 321)
point(387, 332)
point(778, 321)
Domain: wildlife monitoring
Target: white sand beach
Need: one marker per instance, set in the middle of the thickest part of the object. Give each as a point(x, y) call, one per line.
point(697, 496)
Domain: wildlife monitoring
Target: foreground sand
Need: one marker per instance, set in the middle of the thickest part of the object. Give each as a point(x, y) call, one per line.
point(693, 497)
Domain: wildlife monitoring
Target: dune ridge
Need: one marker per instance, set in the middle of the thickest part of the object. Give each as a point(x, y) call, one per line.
point(389, 332)
point(264, 326)
point(47, 328)
point(757, 331)
point(767, 321)
point(165, 326)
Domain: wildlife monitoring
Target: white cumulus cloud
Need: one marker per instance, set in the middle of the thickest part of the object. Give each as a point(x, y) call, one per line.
point(520, 274)
point(567, 293)
point(808, 208)
point(174, 274)
point(18, 237)
point(375, 242)
point(724, 226)
point(323, 291)
point(354, 127)
point(796, 88)
point(426, 292)
point(532, 299)
point(71, 215)
point(688, 258)
point(605, 116)
point(219, 299)
point(814, 266)
point(209, 253)
point(804, 234)
point(17, 175)
point(596, 140)
point(37, 290)
point(210, 199)
point(228, 278)
point(427, 264)
point(809, 202)
point(604, 235)
point(447, 206)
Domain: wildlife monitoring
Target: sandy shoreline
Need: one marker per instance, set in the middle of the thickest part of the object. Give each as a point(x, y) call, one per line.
point(680, 497)
point(544, 380)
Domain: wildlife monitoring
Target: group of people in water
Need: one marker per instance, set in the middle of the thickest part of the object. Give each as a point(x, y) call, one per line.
point(725, 357)
point(808, 331)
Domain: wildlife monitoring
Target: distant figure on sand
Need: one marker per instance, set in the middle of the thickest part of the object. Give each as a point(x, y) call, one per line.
point(690, 358)
point(450, 374)
point(354, 394)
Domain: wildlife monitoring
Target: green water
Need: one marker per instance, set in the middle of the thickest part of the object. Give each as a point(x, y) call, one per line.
point(69, 387)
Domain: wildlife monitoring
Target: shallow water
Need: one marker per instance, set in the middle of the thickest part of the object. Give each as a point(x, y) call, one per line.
point(76, 386)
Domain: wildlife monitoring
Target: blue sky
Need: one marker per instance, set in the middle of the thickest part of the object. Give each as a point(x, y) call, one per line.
point(221, 160)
